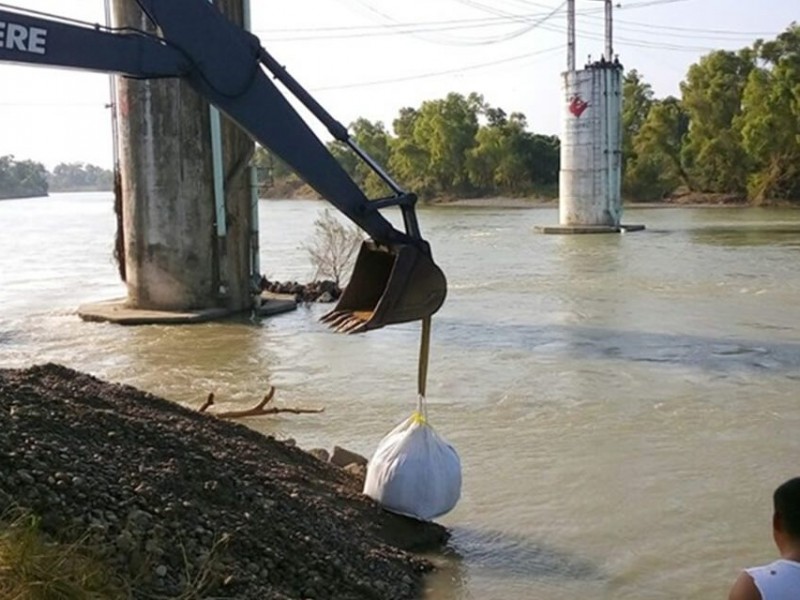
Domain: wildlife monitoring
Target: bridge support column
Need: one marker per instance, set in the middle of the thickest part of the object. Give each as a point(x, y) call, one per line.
point(176, 257)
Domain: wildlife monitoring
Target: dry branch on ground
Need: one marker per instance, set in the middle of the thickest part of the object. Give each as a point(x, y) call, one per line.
point(258, 410)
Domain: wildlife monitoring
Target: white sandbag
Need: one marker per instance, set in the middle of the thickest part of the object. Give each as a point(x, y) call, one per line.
point(414, 472)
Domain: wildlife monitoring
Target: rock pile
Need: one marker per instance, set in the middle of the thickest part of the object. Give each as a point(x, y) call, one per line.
point(316, 291)
point(177, 500)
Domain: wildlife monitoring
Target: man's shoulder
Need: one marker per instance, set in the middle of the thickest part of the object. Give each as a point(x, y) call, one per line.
point(780, 566)
point(744, 588)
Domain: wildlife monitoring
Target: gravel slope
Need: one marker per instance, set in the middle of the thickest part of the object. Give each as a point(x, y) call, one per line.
point(179, 500)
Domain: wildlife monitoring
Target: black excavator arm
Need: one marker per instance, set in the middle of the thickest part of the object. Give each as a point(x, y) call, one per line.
point(394, 279)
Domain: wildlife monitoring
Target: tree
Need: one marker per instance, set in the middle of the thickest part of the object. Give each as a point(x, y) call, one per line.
point(21, 179)
point(509, 160)
point(770, 119)
point(334, 247)
point(656, 168)
point(78, 176)
point(457, 145)
point(408, 158)
point(664, 133)
point(542, 155)
point(373, 139)
point(712, 98)
point(445, 129)
point(276, 179)
point(637, 98)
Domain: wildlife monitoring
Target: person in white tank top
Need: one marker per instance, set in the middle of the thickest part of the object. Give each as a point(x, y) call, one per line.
point(779, 580)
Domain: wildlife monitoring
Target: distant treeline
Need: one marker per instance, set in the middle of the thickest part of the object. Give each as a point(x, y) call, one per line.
point(458, 146)
point(735, 132)
point(26, 178)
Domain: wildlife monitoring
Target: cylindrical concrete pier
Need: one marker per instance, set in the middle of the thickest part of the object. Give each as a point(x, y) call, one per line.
point(174, 259)
point(591, 147)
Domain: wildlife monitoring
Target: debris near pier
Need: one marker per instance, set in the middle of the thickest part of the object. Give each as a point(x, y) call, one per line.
point(183, 504)
point(315, 291)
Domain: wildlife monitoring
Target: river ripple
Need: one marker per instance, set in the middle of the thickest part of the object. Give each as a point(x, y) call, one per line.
point(623, 405)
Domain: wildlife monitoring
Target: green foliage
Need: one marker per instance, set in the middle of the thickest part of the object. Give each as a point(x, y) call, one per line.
point(269, 166)
point(373, 139)
point(75, 177)
point(655, 168)
point(22, 179)
point(409, 160)
point(734, 130)
point(453, 146)
point(511, 159)
point(275, 178)
point(35, 568)
point(446, 130)
point(770, 119)
point(637, 98)
point(712, 97)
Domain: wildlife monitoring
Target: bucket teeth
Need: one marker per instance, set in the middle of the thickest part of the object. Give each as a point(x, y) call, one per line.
point(339, 320)
point(332, 315)
point(344, 321)
point(352, 325)
point(389, 284)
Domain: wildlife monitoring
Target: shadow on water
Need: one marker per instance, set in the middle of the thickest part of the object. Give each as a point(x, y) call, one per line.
point(476, 552)
point(576, 342)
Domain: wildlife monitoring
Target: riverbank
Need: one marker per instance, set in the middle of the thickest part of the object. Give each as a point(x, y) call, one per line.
point(23, 196)
point(171, 499)
point(683, 200)
point(690, 200)
point(496, 202)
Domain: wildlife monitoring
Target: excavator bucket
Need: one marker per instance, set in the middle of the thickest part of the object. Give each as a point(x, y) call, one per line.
point(389, 285)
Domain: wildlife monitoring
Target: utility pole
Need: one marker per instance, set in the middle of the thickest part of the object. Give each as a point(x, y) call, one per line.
point(609, 32)
point(570, 35)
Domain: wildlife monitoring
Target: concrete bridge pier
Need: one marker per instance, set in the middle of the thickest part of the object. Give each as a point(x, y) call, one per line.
point(590, 179)
point(188, 238)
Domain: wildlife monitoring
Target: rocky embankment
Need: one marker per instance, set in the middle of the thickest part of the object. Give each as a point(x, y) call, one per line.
point(175, 500)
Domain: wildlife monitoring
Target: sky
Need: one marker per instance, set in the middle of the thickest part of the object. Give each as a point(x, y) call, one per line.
point(370, 58)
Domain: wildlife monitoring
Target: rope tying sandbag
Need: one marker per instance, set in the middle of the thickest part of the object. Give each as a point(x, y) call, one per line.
point(414, 471)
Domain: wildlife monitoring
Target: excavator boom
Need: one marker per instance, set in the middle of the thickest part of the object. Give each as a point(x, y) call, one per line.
point(395, 279)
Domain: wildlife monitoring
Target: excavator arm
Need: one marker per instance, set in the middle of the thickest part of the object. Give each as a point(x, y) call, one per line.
point(394, 279)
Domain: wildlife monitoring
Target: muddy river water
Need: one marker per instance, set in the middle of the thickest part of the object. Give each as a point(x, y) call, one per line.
point(623, 405)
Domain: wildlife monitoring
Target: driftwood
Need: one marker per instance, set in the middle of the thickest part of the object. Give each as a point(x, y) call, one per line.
point(258, 410)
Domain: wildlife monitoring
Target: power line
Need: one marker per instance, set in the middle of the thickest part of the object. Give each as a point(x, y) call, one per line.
point(439, 73)
point(508, 15)
point(472, 22)
point(647, 3)
point(528, 26)
point(395, 29)
point(634, 42)
point(355, 31)
point(695, 30)
point(502, 17)
point(685, 32)
point(47, 15)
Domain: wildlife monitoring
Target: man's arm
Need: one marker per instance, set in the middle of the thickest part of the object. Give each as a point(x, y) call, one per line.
point(744, 589)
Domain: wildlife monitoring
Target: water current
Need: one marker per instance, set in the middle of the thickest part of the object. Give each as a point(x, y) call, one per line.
point(623, 405)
